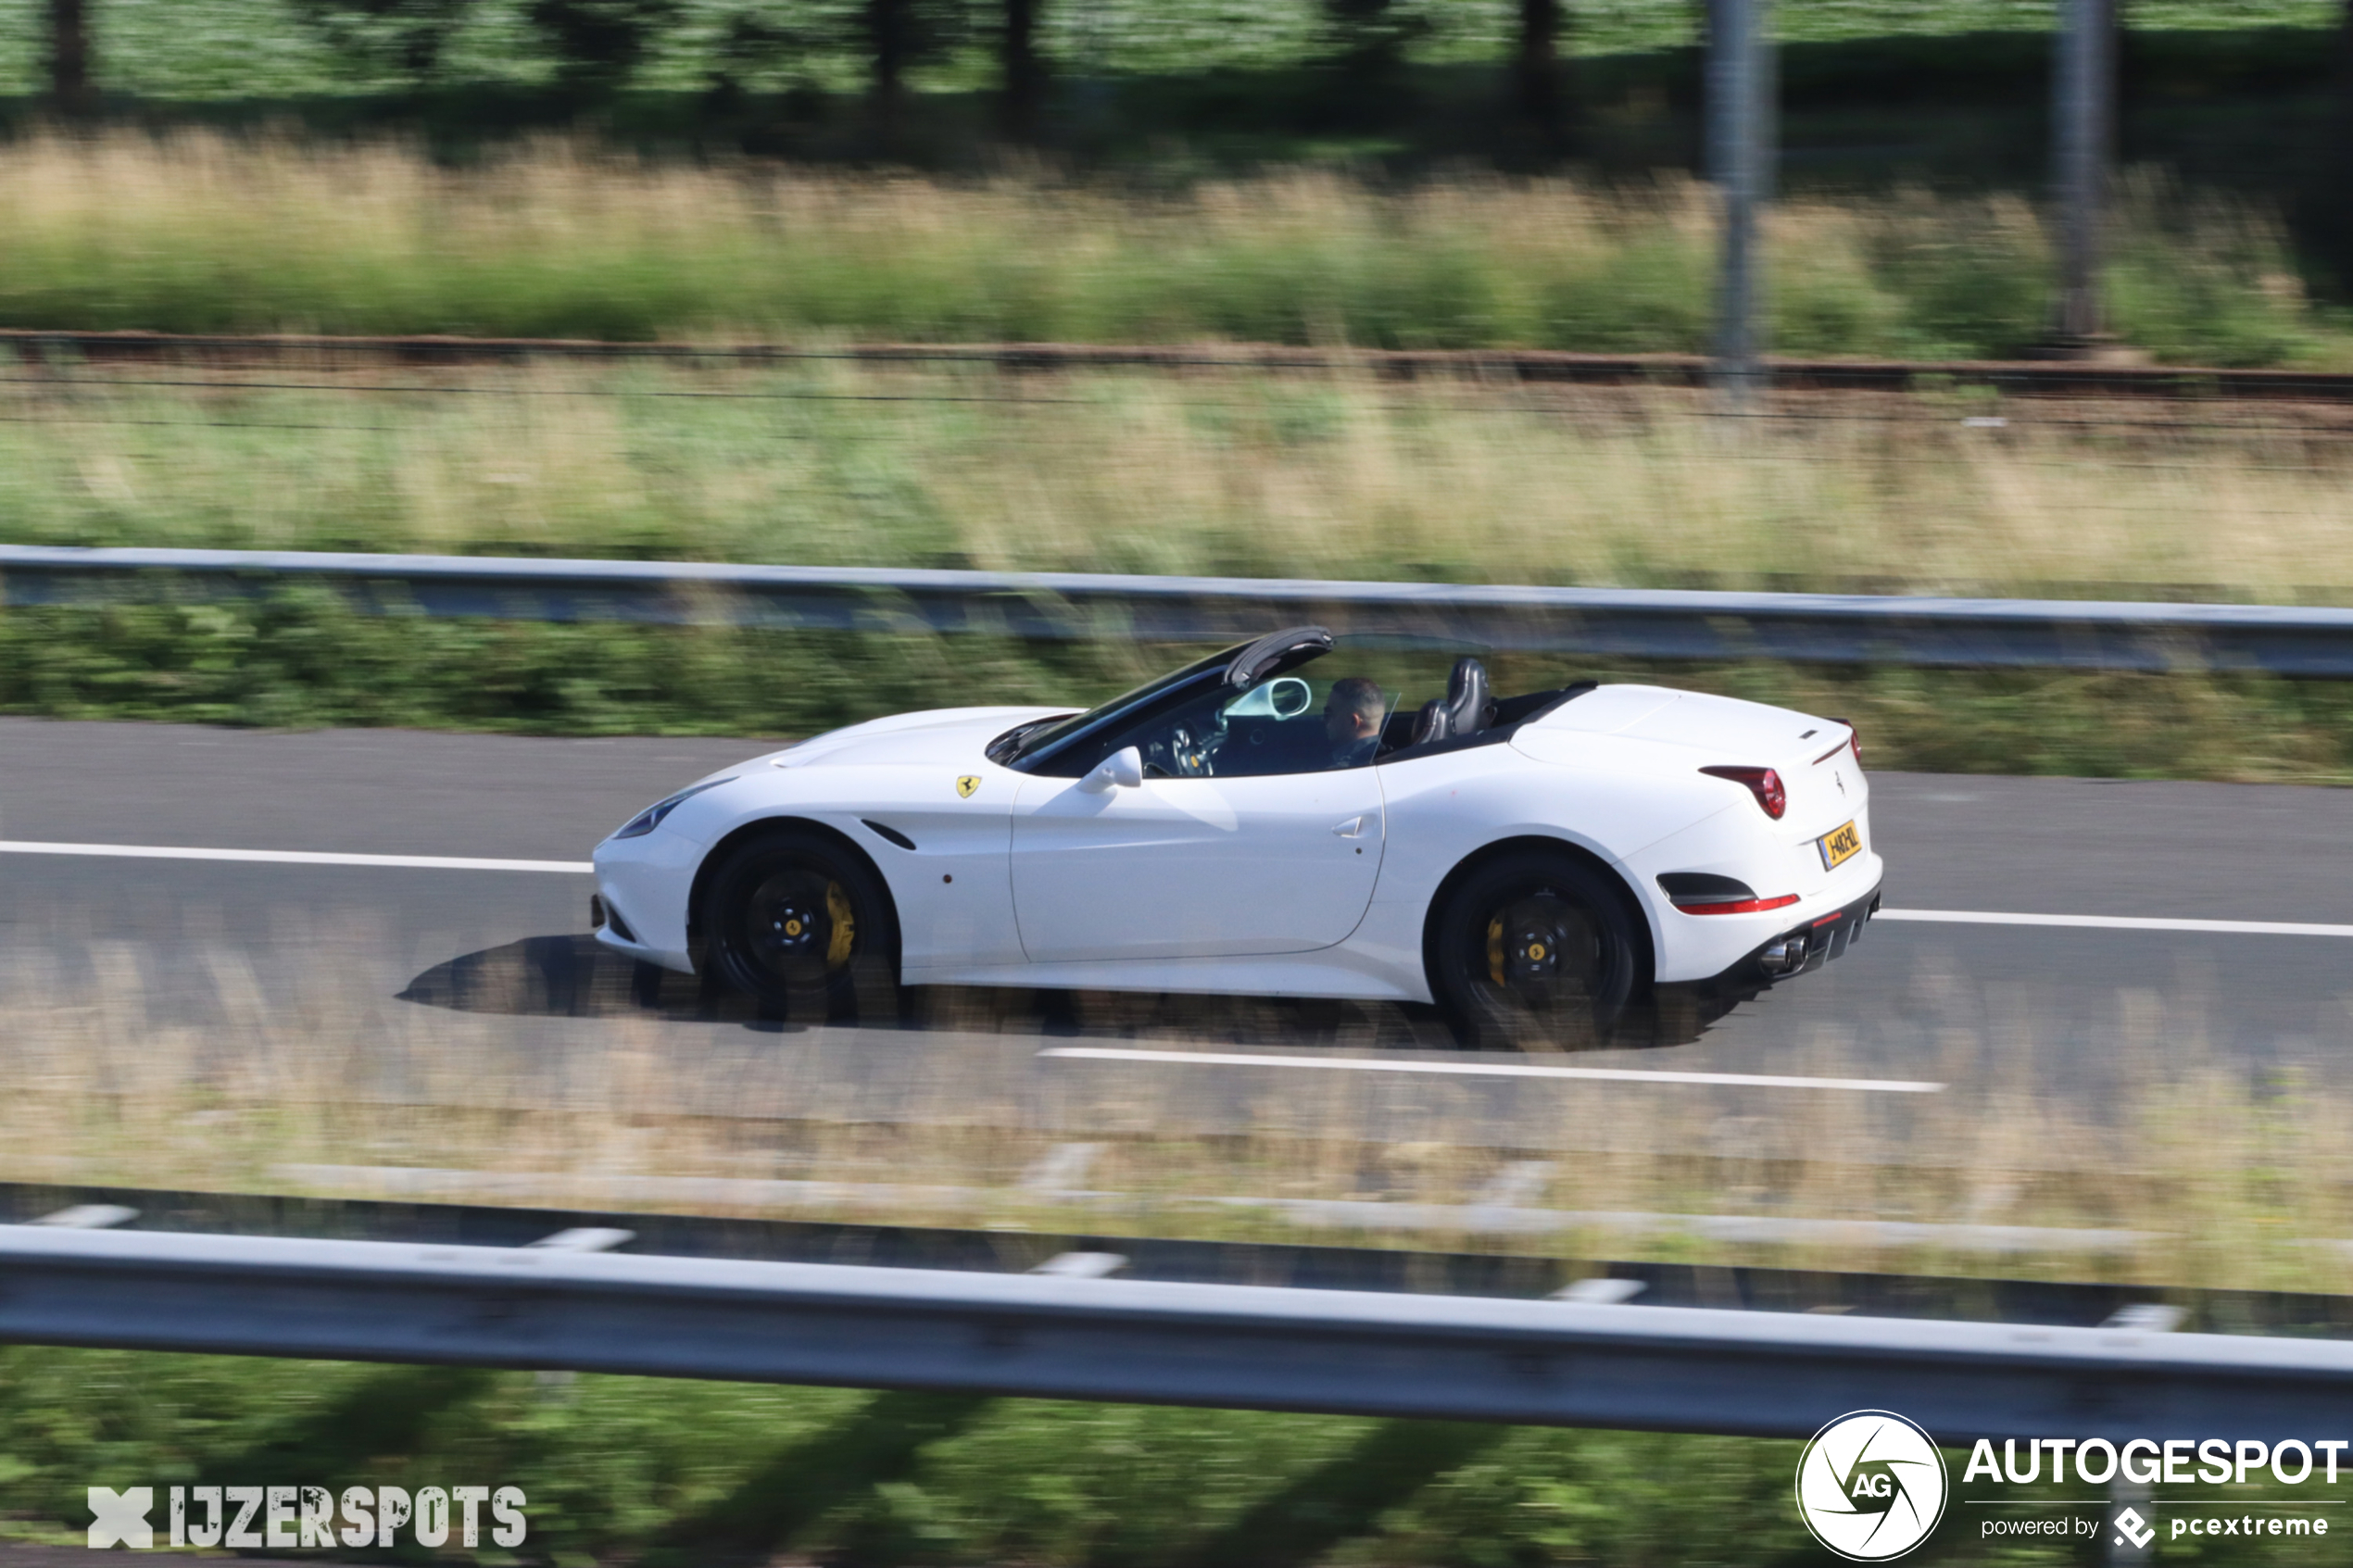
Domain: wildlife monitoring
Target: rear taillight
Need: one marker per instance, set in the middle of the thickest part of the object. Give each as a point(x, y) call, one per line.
point(1740, 905)
point(1763, 782)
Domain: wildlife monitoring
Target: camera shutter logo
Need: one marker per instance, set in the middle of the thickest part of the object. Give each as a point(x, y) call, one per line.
point(1872, 1486)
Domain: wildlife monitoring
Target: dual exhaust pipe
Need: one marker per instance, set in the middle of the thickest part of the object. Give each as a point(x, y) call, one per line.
point(1785, 956)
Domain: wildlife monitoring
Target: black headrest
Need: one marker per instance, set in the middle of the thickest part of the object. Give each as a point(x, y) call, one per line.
point(1433, 722)
point(1467, 696)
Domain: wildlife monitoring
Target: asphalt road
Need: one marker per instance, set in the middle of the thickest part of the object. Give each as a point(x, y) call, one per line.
point(2061, 1006)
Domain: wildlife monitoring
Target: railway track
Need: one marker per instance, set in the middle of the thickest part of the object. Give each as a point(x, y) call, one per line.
point(2071, 380)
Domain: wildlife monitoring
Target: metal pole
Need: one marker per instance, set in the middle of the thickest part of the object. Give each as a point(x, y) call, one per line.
point(1740, 114)
point(2082, 89)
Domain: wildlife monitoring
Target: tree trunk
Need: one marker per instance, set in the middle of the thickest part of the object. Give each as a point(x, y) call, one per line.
point(2336, 171)
point(1023, 73)
point(887, 30)
point(68, 55)
point(1536, 66)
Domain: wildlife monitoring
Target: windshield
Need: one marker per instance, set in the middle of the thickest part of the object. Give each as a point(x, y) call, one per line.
point(1013, 747)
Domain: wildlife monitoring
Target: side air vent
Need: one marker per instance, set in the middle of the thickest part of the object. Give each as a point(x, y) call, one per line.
point(893, 834)
point(604, 914)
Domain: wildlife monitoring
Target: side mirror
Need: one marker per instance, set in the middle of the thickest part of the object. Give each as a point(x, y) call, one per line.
point(1123, 769)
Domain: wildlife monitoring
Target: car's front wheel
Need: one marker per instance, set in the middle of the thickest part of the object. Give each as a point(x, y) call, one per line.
point(1534, 950)
point(802, 926)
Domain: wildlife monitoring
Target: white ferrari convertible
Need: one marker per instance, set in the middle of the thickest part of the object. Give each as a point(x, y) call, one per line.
point(1266, 822)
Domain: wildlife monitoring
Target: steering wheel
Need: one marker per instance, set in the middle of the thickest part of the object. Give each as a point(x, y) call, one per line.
point(1190, 756)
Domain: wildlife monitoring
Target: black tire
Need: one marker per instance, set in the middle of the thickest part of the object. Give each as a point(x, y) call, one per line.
point(1534, 950)
point(803, 926)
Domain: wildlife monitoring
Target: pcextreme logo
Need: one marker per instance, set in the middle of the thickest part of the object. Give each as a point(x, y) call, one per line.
point(1871, 1485)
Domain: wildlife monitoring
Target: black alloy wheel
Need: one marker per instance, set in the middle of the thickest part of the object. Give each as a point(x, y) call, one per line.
point(803, 927)
point(1535, 950)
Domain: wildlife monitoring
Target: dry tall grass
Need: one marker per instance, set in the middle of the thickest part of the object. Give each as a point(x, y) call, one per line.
point(199, 232)
point(311, 1077)
point(1337, 477)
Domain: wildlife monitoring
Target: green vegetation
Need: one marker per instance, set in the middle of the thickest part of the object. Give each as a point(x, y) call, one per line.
point(203, 233)
point(300, 660)
point(194, 49)
point(676, 1473)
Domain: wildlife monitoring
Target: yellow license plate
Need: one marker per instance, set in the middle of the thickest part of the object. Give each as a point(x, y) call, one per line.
point(1839, 846)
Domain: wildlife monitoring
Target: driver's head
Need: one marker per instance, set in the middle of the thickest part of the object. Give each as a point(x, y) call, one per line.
point(1354, 710)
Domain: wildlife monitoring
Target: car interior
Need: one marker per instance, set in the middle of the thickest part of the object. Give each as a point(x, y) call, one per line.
point(1278, 726)
point(1267, 716)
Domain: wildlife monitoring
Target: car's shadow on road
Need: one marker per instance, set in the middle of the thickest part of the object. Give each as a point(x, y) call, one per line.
point(576, 976)
point(567, 976)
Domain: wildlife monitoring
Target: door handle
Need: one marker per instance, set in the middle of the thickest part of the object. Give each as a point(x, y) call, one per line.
point(1352, 828)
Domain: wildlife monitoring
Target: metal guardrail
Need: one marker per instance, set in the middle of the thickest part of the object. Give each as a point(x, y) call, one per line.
point(426, 1217)
point(1067, 1335)
point(1804, 628)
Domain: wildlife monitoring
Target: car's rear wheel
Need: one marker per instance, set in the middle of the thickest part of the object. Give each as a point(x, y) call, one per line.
point(802, 926)
point(1535, 950)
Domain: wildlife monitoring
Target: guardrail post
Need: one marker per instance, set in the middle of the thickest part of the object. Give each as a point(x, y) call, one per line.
point(2082, 106)
point(1740, 116)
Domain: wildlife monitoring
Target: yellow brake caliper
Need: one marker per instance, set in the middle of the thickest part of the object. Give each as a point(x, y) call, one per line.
point(1496, 950)
point(845, 925)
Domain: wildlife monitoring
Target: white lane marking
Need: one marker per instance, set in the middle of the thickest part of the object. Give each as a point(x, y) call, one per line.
point(586, 868)
point(2121, 922)
point(297, 857)
point(1496, 1070)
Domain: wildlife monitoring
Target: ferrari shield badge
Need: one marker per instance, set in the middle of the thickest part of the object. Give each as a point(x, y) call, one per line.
point(966, 785)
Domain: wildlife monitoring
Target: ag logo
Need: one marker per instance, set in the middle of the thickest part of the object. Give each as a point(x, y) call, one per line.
point(966, 785)
point(1871, 1485)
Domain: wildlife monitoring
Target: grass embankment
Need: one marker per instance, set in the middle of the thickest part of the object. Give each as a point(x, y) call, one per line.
point(301, 661)
point(200, 234)
point(670, 1475)
point(1221, 475)
point(2227, 1184)
point(673, 1473)
point(328, 1068)
point(1331, 476)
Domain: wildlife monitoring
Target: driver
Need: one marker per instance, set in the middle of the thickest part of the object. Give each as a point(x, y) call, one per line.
point(1352, 716)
